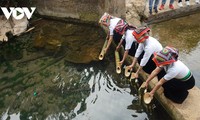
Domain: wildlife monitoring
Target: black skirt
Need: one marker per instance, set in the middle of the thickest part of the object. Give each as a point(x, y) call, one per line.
point(177, 90)
point(150, 66)
point(117, 37)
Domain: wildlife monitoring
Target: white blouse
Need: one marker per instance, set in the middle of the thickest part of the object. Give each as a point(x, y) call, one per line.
point(176, 70)
point(113, 23)
point(129, 38)
point(149, 46)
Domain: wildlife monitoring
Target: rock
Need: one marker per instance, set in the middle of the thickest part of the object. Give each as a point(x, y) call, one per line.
point(19, 26)
point(16, 27)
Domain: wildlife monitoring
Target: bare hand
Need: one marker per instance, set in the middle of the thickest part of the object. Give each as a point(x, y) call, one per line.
point(136, 75)
point(151, 94)
point(130, 67)
point(146, 84)
point(121, 62)
point(107, 38)
point(117, 48)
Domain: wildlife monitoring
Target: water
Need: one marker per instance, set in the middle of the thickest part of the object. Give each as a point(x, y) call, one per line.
point(191, 59)
point(41, 84)
point(83, 92)
point(182, 33)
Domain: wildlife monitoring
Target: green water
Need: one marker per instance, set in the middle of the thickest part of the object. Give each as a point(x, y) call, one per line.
point(38, 83)
point(83, 92)
point(182, 33)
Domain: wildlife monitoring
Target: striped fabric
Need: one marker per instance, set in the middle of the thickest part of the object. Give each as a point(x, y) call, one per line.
point(121, 27)
point(139, 34)
point(166, 56)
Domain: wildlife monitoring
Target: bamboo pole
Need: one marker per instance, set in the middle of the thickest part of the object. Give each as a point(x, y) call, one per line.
point(117, 60)
point(102, 54)
point(141, 92)
point(127, 72)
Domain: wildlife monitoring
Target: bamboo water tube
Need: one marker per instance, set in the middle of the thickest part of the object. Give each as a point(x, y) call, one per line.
point(127, 72)
point(117, 60)
point(102, 54)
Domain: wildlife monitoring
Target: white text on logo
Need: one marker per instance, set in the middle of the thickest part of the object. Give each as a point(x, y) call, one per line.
point(18, 13)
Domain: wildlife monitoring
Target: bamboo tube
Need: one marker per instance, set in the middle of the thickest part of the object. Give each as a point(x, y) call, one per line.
point(147, 98)
point(142, 86)
point(132, 76)
point(101, 56)
point(135, 82)
point(127, 72)
point(141, 92)
point(29, 29)
point(117, 60)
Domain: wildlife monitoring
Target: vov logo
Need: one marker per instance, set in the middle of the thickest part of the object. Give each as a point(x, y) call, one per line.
point(18, 13)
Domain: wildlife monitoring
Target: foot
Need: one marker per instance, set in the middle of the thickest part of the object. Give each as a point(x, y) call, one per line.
point(150, 12)
point(161, 7)
point(180, 4)
point(188, 3)
point(171, 6)
point(156, 10)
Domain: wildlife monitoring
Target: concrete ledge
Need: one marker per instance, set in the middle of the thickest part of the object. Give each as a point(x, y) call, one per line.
point(188, 110)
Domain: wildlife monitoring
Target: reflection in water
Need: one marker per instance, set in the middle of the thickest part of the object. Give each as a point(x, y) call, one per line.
point(107, 101)
point(40, 86)
point(83, 92)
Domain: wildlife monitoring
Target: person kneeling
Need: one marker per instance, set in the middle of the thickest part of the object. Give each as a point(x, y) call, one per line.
point(178, 78)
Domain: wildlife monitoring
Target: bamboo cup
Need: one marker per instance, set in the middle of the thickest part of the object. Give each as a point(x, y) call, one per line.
point(102, 54)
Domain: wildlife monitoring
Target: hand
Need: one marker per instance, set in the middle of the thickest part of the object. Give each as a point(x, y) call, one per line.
point(130, 67)
point(146, 84)
point(121, 62)
point(107, 38)
point(117, 48)
point(151, 95)
point(136, 75)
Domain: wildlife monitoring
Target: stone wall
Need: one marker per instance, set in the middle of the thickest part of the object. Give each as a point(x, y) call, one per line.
point(135, 9)
point(84, 10)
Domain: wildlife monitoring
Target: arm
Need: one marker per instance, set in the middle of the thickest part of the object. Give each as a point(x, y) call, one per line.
point(152, 75)
point(109, 43)
point(158, 85)
point(137, 54)
point(147, 55)
point(139, 50)
point(119, 45)
point(138, 70)
point(124, 57)
point(133, 63)
point(108, 35)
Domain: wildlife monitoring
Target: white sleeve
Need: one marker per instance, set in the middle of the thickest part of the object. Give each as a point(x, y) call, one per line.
point(111, 30)
point(128, 44)
point(171, 73)
point(147, 54)
point(139, 50)
point(123, 37)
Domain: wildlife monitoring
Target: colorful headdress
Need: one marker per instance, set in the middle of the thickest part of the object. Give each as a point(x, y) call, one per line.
point(121, 27)
point(105, 19)
point(166, 56)
point(140, 34)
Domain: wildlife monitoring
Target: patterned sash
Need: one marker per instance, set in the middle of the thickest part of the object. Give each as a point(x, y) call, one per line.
point(121, 27)
point(166, 56)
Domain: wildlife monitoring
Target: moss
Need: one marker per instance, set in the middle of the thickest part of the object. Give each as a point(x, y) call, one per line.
point(89, 16)
point(45, 74)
